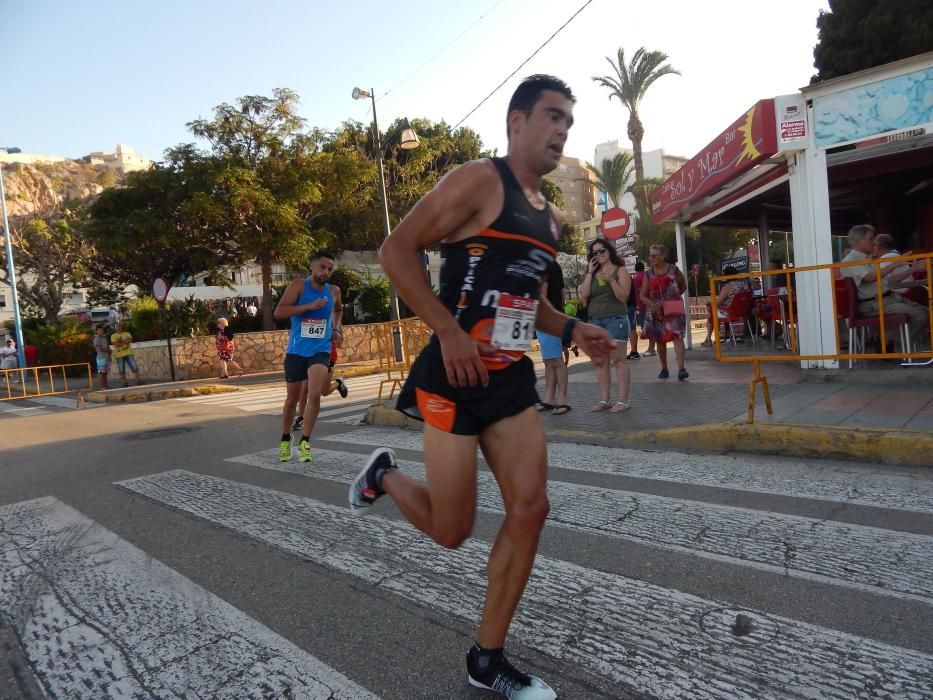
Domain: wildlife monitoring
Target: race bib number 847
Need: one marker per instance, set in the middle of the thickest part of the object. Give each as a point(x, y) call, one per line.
point(313, 328)
point(515, 322)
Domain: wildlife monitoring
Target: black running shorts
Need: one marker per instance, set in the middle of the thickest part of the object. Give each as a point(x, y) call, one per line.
point(296, 366)
point(428, 396)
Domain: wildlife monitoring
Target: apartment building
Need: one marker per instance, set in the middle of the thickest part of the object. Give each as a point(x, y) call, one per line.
point(576, 182)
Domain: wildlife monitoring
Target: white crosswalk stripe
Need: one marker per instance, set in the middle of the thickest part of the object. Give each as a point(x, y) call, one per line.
point(896, 564)
point(268, 400)
point(98, 618)
point(651, 639)
point(861, 485)
point(22, 408)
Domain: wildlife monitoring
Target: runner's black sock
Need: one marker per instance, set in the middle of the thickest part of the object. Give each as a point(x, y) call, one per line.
point(305, 438)
point(480, 659)
point(286, 438)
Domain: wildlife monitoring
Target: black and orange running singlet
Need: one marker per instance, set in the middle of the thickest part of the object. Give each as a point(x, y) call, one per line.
point(511, 256)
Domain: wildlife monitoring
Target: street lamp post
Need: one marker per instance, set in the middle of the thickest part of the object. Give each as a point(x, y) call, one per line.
point(408, 141)
point(10, 269)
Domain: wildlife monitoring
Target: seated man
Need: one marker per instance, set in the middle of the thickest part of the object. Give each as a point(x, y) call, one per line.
point(861, 241)
point(908, 287)
point(726, 294)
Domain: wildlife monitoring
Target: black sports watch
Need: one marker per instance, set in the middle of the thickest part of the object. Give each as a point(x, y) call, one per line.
point(567, 332)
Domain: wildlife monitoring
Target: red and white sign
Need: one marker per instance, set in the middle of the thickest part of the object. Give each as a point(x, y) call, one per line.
point(614, 223)
point(749, 140)
point(159, 289)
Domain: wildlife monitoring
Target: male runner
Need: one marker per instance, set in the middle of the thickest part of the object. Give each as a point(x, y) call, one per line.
point(315, 310)
point(330, 386)
point(473, 384)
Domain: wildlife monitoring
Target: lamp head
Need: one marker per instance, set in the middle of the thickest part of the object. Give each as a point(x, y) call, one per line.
point(359, 94)
point(408, 138)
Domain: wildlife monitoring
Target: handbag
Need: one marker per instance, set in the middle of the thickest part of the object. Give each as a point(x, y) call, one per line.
point(673, 307)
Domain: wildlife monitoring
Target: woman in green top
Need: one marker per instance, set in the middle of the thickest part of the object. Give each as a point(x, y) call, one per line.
point(606, 290)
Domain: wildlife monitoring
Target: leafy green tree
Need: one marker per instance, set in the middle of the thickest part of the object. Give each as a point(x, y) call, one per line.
point(409, 175)
point(629, 84)
point(267, 184)
point(374, 298)
point(613, 175)
point(164, 223)
point(859, 34)
point(50, 257)
point(552, 193)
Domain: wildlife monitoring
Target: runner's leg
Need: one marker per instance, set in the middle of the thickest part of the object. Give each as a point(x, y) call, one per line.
point(317, 376)
point(292, 394)
point(520, 468)
point(444, 508)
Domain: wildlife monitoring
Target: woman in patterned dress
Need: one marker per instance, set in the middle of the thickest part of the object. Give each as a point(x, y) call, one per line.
point(664, 282)
point(223, 341)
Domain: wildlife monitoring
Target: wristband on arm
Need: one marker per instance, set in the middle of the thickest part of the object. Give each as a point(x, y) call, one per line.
point(565, 336)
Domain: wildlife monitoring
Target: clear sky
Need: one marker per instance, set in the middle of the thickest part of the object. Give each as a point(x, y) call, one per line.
point(84, 76)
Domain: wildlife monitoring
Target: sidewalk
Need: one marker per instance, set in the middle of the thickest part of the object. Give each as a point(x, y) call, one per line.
point(865, 414)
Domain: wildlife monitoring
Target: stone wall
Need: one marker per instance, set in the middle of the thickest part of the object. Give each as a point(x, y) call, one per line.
point(196, 358)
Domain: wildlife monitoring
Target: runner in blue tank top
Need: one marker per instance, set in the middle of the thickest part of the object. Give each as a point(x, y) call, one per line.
point(314, 307)
point(473, 384)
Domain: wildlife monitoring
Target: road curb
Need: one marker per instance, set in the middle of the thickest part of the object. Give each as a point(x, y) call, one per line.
point(145, 395)
point(385, 416)
point(879, 445)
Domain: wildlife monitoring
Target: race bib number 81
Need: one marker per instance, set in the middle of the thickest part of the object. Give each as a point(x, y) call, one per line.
point(314, 328)
point(515, 322)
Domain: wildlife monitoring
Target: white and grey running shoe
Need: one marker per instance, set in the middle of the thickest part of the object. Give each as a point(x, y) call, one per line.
point(503, 678)
point(367, 486)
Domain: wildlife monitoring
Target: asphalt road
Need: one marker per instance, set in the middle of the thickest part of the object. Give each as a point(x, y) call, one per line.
point(161, 550)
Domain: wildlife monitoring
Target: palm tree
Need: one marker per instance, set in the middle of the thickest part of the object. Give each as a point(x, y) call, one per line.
point(629, 84)
point(613, 175)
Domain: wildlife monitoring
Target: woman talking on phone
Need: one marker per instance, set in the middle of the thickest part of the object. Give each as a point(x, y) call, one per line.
point(605, 290)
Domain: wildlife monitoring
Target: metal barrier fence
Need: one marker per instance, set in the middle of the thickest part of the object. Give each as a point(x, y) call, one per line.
point(855, 322)
point(399, 343)
point(43, 380)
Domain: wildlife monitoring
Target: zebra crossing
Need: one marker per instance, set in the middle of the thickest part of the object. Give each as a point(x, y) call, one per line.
point(97, 617)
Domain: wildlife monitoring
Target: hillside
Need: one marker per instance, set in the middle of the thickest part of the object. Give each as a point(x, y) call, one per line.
point(39, 188)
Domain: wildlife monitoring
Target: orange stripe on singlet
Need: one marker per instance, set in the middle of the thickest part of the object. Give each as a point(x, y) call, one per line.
point(492, 233)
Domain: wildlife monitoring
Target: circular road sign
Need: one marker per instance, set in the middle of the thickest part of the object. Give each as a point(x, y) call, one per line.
point(159, 289)
point(615, 223)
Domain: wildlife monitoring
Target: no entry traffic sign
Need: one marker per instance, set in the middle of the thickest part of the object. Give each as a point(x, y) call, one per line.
point(614, 223)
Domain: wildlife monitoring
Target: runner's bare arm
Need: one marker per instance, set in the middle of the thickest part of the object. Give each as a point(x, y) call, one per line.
point(460, 205)
point(337, 316)
point(287, 306)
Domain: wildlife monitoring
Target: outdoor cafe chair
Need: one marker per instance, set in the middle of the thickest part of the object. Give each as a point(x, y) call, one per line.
point(847, 308)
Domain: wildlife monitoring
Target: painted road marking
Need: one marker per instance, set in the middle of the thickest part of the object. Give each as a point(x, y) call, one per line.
point(852, 484)
point(871, 559)
point(19, 410)
point(99, 618)
point(652, 639)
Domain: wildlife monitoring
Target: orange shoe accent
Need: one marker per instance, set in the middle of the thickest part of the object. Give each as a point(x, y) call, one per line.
point(437, 411)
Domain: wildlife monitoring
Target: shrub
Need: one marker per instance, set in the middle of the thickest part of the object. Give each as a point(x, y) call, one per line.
point(189, 318)
point(63, 342)
point(144, 323)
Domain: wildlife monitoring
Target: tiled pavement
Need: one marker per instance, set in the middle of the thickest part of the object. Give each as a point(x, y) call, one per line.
point(717, 392)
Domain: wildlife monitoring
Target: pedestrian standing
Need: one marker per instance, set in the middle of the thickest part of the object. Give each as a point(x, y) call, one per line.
point(102, 355)
point(552, 350)
point(666, 322)
point(605, 289)
point(122, 342)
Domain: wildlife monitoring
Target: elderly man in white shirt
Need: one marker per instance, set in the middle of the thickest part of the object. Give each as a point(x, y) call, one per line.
point(901, 278)
point(861, 241)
